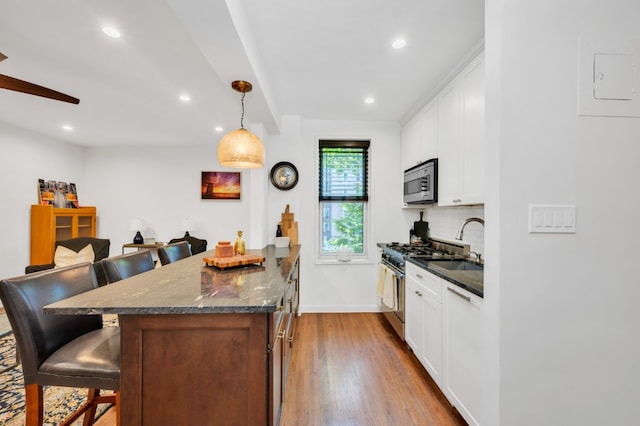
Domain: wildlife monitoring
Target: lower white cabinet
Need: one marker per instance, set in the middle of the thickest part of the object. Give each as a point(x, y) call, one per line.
point(423, 320)
point(443, 327)
point(463, 351)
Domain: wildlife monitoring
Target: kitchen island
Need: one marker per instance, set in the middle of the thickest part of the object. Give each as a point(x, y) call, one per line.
point(201, 345)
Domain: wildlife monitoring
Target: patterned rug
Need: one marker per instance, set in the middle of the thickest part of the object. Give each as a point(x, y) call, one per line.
point(59, 402)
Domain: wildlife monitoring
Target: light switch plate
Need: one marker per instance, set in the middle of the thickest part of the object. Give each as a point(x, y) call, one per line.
point(552, 219)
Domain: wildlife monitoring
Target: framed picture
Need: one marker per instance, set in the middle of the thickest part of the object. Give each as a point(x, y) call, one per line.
point(220, 186)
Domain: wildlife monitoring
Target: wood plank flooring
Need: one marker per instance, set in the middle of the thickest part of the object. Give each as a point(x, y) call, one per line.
point(352, 370)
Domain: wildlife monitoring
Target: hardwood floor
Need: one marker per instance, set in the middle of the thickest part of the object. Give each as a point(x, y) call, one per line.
point(352, 370)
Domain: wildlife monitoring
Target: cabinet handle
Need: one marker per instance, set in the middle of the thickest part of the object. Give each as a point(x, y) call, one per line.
point(467, 298)
point(418, 293)
point(457, 200)
point(419, 276)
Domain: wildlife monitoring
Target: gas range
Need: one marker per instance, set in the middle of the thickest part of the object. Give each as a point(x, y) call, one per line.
point(396, 253)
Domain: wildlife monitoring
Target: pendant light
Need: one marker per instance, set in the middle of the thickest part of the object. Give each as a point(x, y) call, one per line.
point(241, 149)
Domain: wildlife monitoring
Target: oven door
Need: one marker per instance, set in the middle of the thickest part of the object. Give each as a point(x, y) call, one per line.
point(394, 314)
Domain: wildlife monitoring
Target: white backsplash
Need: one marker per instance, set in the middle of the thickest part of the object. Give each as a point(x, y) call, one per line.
point(444, 223)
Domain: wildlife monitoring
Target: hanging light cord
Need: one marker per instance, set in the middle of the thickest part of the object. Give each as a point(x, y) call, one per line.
point(242, 116)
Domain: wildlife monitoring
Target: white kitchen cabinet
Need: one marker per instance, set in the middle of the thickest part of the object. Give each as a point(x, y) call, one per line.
point(461, 137)
point(420, 137)
point(429, 131)
point(410, 148)
point(423, 318)
point(463, 351)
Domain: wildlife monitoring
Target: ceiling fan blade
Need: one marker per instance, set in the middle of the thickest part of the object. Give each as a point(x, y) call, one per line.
point(2, 56)
point(11, 83)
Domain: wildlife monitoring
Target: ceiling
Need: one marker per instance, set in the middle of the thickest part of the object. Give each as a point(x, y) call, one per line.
point(317, 59)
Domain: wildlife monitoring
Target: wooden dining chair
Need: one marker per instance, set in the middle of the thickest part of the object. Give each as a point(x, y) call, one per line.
point(61, 350)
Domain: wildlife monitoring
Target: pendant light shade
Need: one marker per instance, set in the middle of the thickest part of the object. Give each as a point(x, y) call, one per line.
point(241, 149)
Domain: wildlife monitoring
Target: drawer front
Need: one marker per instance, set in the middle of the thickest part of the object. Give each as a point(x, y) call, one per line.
point(431, 283)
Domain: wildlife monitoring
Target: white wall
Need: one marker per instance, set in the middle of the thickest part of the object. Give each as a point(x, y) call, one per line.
point(26, 157)
point(335, 288)
point(562, 309)
point(161, 185)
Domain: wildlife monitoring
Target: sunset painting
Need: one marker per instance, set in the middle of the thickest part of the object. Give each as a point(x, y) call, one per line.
point(220, 186)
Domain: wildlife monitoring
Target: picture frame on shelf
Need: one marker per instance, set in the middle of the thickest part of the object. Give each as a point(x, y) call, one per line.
point(57, 193)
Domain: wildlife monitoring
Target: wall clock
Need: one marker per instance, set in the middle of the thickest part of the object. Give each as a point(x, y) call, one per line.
point(284, 175)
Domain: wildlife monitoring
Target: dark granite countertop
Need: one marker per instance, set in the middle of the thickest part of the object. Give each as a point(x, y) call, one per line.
point(472, 281)
point(188, 287)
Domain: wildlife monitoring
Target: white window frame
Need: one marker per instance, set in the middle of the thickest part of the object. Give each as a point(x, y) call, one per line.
point(332, 258)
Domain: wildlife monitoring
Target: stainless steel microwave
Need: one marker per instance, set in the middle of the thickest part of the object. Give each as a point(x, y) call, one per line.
point(421, 183)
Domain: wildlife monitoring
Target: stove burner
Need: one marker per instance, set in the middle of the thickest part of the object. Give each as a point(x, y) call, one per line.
point(397, 252)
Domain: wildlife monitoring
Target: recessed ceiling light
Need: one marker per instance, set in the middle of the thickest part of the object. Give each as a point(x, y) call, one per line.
point(399, 43)
point(185, 98)
point(111, 32)
point(219, 128)
point(67, 127)
point(369, 100)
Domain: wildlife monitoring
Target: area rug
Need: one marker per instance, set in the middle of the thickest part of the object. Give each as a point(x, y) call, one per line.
point(59, 402)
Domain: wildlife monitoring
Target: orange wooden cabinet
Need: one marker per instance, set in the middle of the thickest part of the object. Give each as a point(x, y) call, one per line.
point(49, 224)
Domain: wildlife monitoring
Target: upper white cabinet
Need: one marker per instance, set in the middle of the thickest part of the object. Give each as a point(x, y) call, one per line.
point(420, 137)
point(451, 128)
point(410, 149)
point(429, 131)
point(461, 138)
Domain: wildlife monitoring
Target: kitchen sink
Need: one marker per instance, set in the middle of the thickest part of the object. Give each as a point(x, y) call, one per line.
point(456, 265)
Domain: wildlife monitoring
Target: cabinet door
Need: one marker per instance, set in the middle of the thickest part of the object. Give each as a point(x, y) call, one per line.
point(431, 355)
point(410, 149)
point(472, 145)
point(276, 368)
point(65, 226)
point(413, 316)
point(463, 352)
point(448, 144)
point(86, 226)
point(429, 131)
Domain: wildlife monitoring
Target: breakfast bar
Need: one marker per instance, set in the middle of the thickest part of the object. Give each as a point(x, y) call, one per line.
point(202, 345)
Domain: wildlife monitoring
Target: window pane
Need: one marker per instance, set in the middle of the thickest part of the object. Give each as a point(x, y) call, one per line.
point(343, 170)
point(342, 226)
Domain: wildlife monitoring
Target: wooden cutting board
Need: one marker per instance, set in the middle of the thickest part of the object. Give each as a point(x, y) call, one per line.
point(229, 262)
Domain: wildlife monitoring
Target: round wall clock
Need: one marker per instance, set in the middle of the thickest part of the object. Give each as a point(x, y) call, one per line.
point(284, 175)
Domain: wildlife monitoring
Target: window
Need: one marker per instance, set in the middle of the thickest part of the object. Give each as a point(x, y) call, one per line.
point(343, 195)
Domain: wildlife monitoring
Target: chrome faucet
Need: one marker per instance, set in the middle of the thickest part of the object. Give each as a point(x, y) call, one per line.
point(471, 219)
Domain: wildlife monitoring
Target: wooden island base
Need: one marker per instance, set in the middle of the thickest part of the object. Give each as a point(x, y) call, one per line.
point(195, 369)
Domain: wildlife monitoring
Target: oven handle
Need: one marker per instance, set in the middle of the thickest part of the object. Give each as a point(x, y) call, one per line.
point(395, 270)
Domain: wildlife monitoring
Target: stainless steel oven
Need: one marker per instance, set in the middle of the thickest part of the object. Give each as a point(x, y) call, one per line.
point(393, 259)
point(394, 314)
